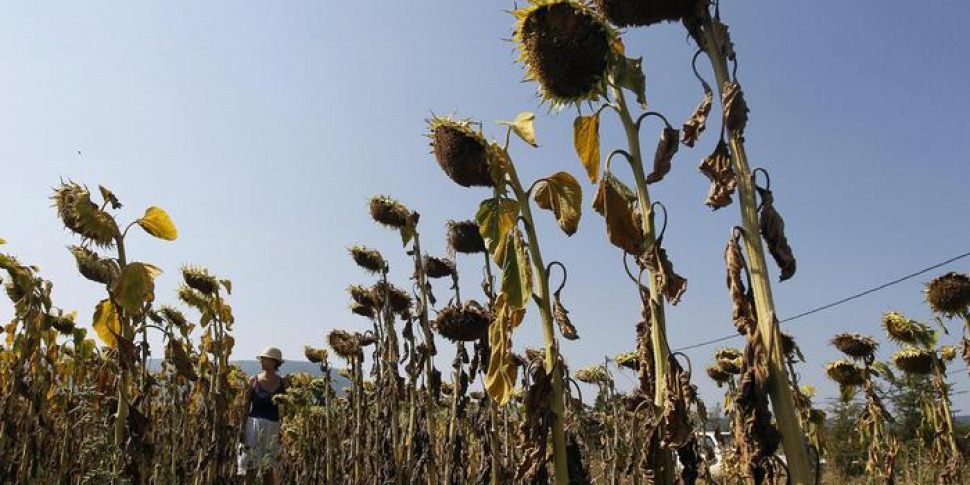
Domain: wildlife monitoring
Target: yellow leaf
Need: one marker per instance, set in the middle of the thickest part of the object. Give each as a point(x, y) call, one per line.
point(157, 223)
point(106, 323)
point(614, 201)
point(502, 374)
point(136, 286)
point(561, 194)
point(522, 126)
point(586, 140)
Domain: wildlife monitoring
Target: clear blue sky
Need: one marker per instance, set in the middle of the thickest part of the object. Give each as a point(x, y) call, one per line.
point(262, 127)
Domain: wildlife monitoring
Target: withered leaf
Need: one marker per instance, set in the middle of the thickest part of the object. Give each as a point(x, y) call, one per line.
point(561, 315)
point(772, 228)
point(666, 148)
point(180, 359)
point(717, 168)
point(697, 122)
point(586, 140)
point(735, 108)
point(614, 201)
point(671, 284)
point(742, 311)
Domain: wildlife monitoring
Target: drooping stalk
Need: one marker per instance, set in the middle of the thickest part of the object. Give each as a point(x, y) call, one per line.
point(782, 401)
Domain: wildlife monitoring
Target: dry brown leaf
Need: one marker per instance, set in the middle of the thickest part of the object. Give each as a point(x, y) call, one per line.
point(742, 308)
point(614, 201)
point(735, 108)
point(671, 284)
point(561, 315)
point(772, 228)
point(666, 148)
point(695, 125)
point(717, 168)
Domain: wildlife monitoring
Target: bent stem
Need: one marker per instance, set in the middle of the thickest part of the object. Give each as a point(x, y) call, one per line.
point(782, 401)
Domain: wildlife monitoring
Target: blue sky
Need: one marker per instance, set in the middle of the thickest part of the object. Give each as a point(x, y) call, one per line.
point(263, 127)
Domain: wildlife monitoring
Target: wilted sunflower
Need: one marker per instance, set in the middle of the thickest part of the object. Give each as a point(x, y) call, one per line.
point(844, 372)
point(463, 324)
point(362, 310)
point(389, 212)
point(82, 216)
point(400, 301)
point(344, 343)
point(436, 267)
point(60, 322)
point(640, 13)
point(717, 374)
point(628, 360)
point(199, 279)
point(193, 298)
point(594, 374)
point(907, 331)
point(464, 237)
point(362, 295)
point(855, 345)
point(315, 356)
point(461, 151)
point(914, 361)
point(566, 47)
point(173, 316)
point(369, 259)
point(949, 295)
point(93, 267)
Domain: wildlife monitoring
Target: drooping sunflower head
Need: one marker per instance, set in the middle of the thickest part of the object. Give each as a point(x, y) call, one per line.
point(728, 360)
point(949, 295)
point(200, 280)
point(344, 343)
point(718, 375)
point(93, 267)
point(463, 324)
point(566, 47)
point(906, 330)
point(855, 345)
point(844, 372)
point(436, 267)
point(314, 355)
point(461, 151)
point(640, 13)
point(362, 296)
point(464, 237)
point(173, 316)
point(368, 259)
point(82, 216)
point(362, 310)
point(594, 374)
point(389, 212)
point(914, 361)
point(628, 360)
point(60, 322)
point(397, 298)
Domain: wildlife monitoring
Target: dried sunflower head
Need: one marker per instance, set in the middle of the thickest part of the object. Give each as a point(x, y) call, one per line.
point(362, 310)
point(200, 280)
point(344, 343)
point(718, 375)
point(461, 151)
point(628, 360)
point(389, 212)
point(82, 216)
point(315, 356)
point(368, 259)
point(566, 47)
point(464, 237)
point(173, 316)
point(60, 322)
point(855, 345)
point(362, 295)
point(948, 353)
point(949, 295)
point(463, 324)
point(594, 374)
point(436, 267)
point(914, 361)
point(398, 299)
point(907, 331)
point(193, 298)
point(844, 372)
point(640, 13)
point(93, 267)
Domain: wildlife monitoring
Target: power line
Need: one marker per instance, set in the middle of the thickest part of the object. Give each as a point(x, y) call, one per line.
point(833, 304)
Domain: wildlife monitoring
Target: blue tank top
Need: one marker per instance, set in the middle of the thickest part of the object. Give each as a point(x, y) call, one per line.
point(262, 401)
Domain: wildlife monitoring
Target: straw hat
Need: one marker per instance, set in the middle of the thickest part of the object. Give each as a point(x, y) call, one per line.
point(272, 353)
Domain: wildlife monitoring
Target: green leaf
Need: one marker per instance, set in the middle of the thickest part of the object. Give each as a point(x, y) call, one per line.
point(495, 218)
point(628, 73)
point(586, 140)
point(157, 223)
point(106, 323)
point(561, 194)
point(516, 272)
point(522, 126)
point(614, 201)
point(136, 286)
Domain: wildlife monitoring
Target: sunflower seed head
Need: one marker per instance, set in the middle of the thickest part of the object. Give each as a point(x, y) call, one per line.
point(844, 372)
point(368, 259)
point(199, 279)
point(464, 237)
point(855, 345)
point(914, 361)
point(391, 213)
point(949, 295)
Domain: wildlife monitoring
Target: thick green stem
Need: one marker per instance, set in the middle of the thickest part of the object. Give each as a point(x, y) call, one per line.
point(552, 351)
point(781, 398)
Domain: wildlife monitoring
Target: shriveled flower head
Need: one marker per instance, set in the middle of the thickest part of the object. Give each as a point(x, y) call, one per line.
point(628, 360)
point(362, 310)
point(362, 295)
point(60, 322)
point(566, 47)
point(368, 259)
point(389, 212)
point(463, 324)
point(82, 216)
point(200, 280)
point(718, 375)
point(173, 316)
point(398, 299)
point(640, 13)
point(315, 356)
point(436, 267)
point(193, 298)
point(461, 151)
point(594, 374)
point(949, 295)
point(464, 237)
point(93, 267)
point(855, 345)
point(728, 360)
point(789, 346)
point(948, 353)
point(344, 343)
point(914, 361)
point(906, 330)
point(844, 372)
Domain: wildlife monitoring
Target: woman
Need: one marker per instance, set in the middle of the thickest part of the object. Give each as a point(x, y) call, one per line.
point(260, 435)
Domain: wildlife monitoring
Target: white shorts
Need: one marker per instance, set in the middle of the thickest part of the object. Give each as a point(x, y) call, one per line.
point(261, 447)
